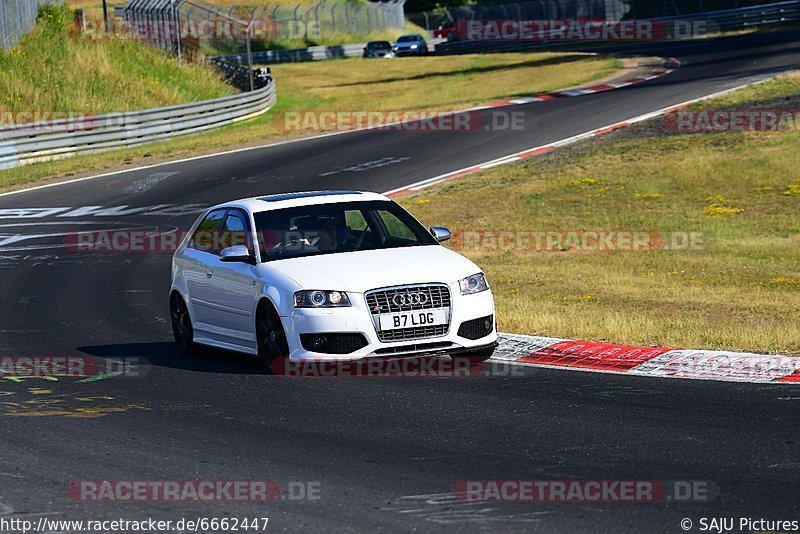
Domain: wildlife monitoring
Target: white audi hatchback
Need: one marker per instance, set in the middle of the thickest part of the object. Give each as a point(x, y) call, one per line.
point(326, 275)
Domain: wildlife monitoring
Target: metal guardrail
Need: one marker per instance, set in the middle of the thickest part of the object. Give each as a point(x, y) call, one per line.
point(312, 53)
point(747, 17)
point(485, 47)
point(643, 9)
point(28, 143)
point(729, 19)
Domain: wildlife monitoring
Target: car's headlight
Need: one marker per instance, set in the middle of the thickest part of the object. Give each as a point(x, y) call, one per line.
point(316, 298)
point(473, 284)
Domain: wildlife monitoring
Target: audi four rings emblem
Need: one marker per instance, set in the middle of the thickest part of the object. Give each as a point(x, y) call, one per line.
point(410, 299)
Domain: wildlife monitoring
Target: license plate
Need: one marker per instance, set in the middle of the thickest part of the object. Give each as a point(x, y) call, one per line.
point(413, 319)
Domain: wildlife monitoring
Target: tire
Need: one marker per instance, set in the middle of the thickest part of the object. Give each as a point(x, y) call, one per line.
point(182, 329)
point(273, 349)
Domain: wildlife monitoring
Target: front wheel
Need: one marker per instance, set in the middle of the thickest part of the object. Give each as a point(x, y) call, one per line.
point(273, 349)
point(182, 329)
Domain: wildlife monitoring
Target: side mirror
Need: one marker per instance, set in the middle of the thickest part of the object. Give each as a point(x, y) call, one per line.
point(236, 253)
point(440, 233)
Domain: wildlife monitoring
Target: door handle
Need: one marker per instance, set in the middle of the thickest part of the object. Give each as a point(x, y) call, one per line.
point(209, 272)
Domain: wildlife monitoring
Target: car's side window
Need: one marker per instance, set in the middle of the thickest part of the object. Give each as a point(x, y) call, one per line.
point(396, 228)
point(206, 236)
point(359, 233)
point(355, 220)
point(235, 231)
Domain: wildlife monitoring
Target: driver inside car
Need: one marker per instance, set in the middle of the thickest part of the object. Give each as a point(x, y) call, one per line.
point(330, 236)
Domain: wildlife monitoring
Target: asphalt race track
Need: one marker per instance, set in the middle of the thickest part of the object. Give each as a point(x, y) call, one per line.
point(385, 453)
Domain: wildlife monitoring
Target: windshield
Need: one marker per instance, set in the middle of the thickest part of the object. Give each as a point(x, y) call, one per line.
point(379, 45)
point(408, 38)
point(334, 228)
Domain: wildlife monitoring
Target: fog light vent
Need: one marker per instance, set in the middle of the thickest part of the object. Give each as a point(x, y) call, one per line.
point(477, 328)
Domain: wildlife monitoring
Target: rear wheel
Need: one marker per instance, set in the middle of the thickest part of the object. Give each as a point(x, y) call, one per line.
point(182, 329)
point(273, 349)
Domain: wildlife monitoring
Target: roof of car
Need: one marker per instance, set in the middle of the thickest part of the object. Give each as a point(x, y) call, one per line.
point(302, 198)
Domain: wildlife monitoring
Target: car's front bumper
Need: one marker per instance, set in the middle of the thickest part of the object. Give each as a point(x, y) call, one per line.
point(358, 319)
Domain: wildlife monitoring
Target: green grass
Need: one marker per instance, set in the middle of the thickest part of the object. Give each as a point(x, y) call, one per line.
point(55, 71)
point(402, 84)
point(740, 192)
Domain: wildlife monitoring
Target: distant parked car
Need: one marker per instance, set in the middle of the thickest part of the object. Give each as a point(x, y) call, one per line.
point(378, 49)
point(410, 45)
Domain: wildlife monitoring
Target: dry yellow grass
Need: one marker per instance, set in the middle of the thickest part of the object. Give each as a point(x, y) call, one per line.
point(432, 83)
point(740, 290)
point(782, 86)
